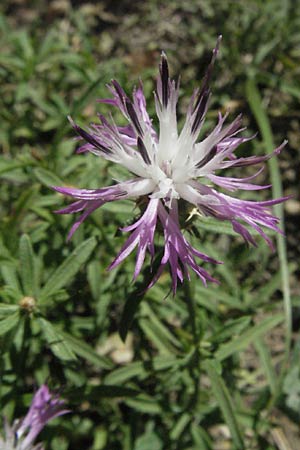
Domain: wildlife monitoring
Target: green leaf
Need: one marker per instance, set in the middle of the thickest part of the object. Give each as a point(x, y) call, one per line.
point(46, 177)
point(225, 403)
point(240, 342)
point(143, 369)
point(144, 404)
point(266, 363)
point(55, 339)
point(130, 308)
point(291, 387)
point(215, 226)
point(27, 265)
point(162, 330)
point(9, 323)
point(230, 328)
point(77, 106)
point(93, 276)
point(9, 274)
point(66, 271)
point(8, 166)
point(5, 254)
point(211, 297)
point(265, 292)
point(112, 391)
point(136, 296)
point(179, 426)
point(7, 310)
point(85, 351)
point(150, 440)
point(156, 337)
point(200, 437)
point(86, 95)
point(290, 89)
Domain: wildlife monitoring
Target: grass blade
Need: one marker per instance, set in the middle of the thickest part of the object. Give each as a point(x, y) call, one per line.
point(225, 403)
point(262, 120)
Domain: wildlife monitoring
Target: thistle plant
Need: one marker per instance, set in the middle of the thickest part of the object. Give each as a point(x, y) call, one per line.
point(218, 367)
point(44, 407)
point(170, 167)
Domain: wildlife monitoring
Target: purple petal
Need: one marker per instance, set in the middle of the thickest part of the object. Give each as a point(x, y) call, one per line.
point(91, 208)
point(253, 160)
point(106, 194)
point(179, 254)
point(232, 184)
point(45, 406)
point(142, 237)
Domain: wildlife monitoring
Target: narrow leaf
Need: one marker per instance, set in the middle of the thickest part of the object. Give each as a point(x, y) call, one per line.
point(9, 323)
point(57, 343)
point(241, 342)
point(144, 404)
point(179, 426)
point(46, 177)
point(200, 437)
point(266, 362)
point(225, 403)
point(8, 166)
point(85, 351)
point(66, 271)
point(130, 308)
point(27, 265)
point(162, 329)
point(215, 226)
point(156, 337)
point(9, 274)
point(111, 391)
point(7, 310)
point(142, 369)
point(135, 298)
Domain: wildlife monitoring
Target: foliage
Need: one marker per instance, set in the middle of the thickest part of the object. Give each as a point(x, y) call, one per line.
point(198, 370)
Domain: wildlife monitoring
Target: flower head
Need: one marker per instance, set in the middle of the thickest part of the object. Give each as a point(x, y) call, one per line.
point(45, 406)
point(170, 166)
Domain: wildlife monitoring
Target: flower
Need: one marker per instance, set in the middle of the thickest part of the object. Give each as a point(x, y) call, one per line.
point(45, 406)
point(170, 167)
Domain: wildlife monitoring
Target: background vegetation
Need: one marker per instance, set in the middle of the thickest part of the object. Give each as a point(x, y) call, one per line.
point(214, 368)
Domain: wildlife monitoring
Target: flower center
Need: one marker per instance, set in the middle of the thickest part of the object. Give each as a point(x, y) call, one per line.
point(165, 186)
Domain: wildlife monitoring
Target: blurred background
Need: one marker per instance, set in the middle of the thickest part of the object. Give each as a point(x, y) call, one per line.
point(56, 59)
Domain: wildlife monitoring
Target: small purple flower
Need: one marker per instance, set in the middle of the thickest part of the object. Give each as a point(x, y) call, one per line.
point(170, 167)
point(45, 406)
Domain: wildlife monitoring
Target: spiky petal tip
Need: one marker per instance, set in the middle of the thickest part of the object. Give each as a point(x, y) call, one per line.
point(169, 167)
